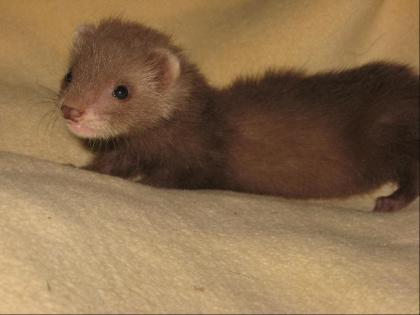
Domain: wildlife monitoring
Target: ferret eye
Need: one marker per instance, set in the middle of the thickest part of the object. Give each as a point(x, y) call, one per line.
point(120, 92)
point(68, 77)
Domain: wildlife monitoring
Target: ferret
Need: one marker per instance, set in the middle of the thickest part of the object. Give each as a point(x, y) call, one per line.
point(286, 133)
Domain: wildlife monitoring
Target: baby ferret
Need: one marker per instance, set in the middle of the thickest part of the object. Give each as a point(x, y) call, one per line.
point(285, 133)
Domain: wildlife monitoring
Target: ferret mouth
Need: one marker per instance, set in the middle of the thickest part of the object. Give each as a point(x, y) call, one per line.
point(85, 129)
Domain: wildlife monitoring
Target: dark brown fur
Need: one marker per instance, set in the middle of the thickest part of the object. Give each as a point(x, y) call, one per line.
point(285, 133)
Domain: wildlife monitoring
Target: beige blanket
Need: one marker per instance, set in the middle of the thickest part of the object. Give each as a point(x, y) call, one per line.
point(75, 241)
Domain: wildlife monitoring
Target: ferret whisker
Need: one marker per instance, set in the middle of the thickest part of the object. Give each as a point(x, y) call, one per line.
point(47, 90)
point(55, 121)
point(48, 117)
point(45, 100)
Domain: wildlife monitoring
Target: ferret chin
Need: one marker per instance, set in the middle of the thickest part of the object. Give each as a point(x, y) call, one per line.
point(285, 133)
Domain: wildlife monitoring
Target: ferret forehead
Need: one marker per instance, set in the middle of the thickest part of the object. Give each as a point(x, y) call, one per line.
point(105, 55)
point(101, 69)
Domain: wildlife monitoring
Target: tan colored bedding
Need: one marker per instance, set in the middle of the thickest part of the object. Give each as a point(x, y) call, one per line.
point(79, 242)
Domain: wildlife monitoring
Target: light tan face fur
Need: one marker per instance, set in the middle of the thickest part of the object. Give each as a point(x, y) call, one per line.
point(116, 54)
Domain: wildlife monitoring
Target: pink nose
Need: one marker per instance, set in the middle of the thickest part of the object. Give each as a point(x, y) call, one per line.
point(71, 113)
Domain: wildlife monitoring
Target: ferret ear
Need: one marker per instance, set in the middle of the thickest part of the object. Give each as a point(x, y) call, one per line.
point(83, 30)
point(166, 67)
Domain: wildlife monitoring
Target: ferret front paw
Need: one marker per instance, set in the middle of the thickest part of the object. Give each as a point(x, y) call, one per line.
point(389, 204)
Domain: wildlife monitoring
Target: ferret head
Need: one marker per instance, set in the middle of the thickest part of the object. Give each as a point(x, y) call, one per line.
point(122, 77)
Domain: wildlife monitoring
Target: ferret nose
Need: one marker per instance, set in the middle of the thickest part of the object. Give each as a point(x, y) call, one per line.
point(71, 113)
